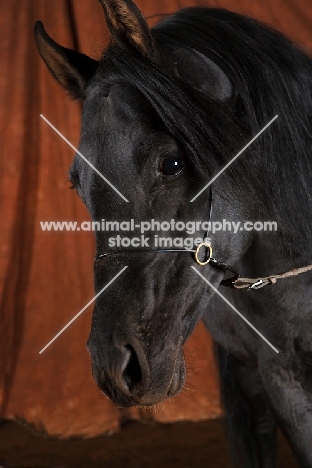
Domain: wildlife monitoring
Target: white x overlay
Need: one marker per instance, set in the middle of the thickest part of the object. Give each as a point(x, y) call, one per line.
point(198, 273)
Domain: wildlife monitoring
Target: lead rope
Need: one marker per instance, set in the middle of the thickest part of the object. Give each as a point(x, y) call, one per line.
point(258, 283)
point(237, 282)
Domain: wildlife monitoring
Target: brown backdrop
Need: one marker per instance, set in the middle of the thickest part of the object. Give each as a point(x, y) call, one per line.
point(46, 278)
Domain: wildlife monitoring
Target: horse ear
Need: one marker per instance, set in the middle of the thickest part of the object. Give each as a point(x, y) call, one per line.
point(71, 69)
point(202, 73)
point(128, 26)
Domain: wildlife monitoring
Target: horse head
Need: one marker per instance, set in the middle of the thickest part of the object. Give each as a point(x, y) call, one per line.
point(160, 117)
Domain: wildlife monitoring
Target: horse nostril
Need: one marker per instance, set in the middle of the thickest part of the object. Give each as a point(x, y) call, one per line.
point(132, 373)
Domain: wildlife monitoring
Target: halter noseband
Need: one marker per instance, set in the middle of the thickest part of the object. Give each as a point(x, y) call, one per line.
point(230, 282)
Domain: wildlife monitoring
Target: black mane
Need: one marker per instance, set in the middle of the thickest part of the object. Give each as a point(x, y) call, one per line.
point(271, 76)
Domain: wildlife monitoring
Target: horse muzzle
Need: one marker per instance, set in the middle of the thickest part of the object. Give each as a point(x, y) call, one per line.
point(128, 379)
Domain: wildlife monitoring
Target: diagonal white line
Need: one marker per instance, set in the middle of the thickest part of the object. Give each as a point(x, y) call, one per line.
point(235, 310)
point(232, 160)
point(84, 158)
point(82, 310)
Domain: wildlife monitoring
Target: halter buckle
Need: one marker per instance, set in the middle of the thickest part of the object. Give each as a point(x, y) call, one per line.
point(208, 253)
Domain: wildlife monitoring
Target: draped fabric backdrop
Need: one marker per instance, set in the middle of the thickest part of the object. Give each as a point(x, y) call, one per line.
point(47, 277)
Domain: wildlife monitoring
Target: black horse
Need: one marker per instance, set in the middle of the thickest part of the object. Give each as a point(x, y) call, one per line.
point(164, 110)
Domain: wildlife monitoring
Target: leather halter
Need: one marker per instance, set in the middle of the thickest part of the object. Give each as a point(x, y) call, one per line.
point(234, 281)
point(206, 245)
point(230, 282)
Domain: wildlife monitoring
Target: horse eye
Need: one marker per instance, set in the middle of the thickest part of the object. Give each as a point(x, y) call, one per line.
point(171, 166)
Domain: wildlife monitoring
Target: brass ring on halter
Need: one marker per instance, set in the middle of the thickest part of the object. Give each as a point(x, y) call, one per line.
point(208, 255)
